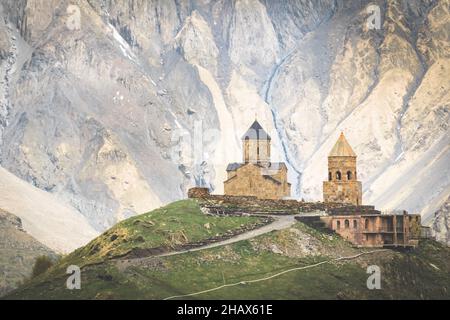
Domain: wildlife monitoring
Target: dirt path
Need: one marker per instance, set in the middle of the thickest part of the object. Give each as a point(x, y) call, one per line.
point(240, 283)
point(279, 223)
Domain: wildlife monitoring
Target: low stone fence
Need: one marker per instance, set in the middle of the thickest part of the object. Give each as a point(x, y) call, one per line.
point(251, 204)
point(198, 192)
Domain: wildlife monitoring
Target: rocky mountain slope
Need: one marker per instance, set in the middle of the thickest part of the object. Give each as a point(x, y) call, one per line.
point(441, 223)
point(43, 216)
point(18, 250)
point(117, 107)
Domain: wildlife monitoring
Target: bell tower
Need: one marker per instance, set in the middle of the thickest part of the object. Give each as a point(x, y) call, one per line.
point(342, 185)
point(256, 145)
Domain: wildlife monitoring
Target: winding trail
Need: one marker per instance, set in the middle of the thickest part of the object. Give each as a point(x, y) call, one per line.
point(244, 282)
point(281, 222)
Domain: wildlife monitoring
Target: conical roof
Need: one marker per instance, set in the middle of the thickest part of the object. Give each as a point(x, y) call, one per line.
point(342, 148)
point(256, 132)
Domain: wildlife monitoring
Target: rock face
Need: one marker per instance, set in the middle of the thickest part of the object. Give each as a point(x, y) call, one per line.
point(18, 250)
point(54, 224)
point(441, 223)
point(103, 102)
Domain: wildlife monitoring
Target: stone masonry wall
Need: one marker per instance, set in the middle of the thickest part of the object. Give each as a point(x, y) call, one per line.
point(250, 181)
point(343, 191)
point(342, 185)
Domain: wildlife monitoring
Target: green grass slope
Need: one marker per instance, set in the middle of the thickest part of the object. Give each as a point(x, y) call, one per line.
point(423, 273)
point(160, 230)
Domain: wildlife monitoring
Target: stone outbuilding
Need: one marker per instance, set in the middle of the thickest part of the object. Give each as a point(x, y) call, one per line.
point(366, 227)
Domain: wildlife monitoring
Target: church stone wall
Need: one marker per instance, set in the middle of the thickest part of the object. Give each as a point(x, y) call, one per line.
point(256, 151)
point(249, 181)
point(342, 165)
point(342, 185)
point(343, 192)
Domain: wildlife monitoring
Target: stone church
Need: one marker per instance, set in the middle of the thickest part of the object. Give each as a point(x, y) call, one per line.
point(342, 185)
point(257, 175)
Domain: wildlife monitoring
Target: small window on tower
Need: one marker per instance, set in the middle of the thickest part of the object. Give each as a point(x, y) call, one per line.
point(338, 175)
point(329, 176)
point(349, 175)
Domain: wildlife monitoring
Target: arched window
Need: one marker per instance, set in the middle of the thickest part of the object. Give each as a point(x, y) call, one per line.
point(355, 224)
point(347, 224)
point(338, 224)
point(349, 175)
point(329, 176)
point(366, 224)
point(338, 175)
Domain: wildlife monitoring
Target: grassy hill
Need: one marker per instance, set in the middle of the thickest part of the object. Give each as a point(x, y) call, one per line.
point(121, 263)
